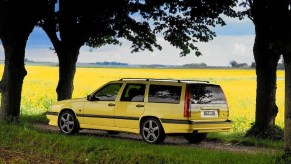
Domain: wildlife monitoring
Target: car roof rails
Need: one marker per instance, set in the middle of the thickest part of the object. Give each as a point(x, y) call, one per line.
point(195, 81)
point(173, 80)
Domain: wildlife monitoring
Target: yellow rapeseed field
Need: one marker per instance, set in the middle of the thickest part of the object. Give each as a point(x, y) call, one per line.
point(239, 87)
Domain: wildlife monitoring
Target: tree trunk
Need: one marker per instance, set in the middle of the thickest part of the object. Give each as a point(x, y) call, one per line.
point(67, 49)
point(12, 80)
point(266, 67)
point(68, 57)
point(287, 131)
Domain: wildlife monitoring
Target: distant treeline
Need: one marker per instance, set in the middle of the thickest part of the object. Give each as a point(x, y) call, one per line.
point(111, 63)
point(195, 65)
point(235, 64)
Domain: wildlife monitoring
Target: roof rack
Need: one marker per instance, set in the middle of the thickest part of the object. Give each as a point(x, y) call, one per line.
point(154, 79)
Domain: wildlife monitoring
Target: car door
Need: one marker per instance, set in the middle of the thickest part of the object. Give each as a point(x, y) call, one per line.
point(130, 106)
point(99, 109)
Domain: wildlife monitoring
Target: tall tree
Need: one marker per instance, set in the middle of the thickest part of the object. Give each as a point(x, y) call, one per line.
point(92, 23)
point(263, 14)
point(287, 130)
point(284, 44)
point(274, 22)
point(17, 20)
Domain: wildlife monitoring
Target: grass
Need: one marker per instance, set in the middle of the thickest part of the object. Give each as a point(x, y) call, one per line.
point(240, 139)
point(91, 149)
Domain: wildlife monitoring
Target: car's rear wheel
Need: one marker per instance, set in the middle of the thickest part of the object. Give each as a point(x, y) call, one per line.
point(195, 137)
point(68, 123)
point(152, 131)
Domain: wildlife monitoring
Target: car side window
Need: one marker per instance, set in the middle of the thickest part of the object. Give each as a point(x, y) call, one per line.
point(133, 93)
point(164, 94)
point(108, 92)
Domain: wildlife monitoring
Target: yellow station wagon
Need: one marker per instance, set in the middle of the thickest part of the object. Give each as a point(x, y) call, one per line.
point(153, 108)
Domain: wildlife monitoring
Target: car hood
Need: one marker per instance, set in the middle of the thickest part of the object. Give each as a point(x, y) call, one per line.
point(75, 103)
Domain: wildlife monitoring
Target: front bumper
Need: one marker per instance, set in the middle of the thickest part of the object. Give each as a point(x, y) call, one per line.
point(53, 118)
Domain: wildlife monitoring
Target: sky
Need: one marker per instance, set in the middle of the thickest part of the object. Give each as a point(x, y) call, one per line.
point(233, 42)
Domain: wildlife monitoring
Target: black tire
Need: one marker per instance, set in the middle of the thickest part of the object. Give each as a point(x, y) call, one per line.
point(152, 131)
point(68, 123)
point(195, 138)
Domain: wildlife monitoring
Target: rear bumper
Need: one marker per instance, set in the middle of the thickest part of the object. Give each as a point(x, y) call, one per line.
point(205, 127)
point(189, 126)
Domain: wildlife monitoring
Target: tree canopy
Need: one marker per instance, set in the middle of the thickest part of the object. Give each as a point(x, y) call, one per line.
point(89, 22)
point(182, 23)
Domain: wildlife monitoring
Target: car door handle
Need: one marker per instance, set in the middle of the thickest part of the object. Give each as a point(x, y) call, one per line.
point(111, 104)
point(139, 105)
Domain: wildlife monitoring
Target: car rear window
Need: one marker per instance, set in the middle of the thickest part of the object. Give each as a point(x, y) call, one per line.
point(206, 94)
point(164, 94)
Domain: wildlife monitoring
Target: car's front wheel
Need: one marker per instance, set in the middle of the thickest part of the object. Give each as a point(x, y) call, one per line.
point(152, 131)
point(195, 137)
point(68, 123)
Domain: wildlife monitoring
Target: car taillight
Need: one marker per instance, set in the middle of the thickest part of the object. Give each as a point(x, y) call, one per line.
point(227, 113)
point(187, 112)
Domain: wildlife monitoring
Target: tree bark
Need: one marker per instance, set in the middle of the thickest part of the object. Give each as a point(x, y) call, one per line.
point(68, 57)
point(266, 67)
point(287, 131)
point(13, 75)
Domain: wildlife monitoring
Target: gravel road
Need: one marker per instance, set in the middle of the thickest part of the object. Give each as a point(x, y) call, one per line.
point(170, 140)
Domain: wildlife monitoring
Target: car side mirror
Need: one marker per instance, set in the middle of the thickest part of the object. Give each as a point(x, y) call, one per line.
point(89, 98)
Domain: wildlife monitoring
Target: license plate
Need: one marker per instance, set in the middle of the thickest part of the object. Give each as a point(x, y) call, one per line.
point(209, 113)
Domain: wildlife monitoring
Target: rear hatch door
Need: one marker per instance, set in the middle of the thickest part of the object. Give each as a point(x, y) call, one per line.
point(208, 102)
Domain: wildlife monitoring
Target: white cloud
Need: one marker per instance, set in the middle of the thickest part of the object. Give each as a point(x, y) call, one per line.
point(223, 49)
point(41, 54)
point(240, 49)
point(218, 52)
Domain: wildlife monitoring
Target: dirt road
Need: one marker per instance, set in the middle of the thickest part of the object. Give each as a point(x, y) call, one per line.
point(170, 140)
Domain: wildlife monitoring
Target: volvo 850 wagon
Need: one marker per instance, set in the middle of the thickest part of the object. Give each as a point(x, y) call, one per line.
point(152, 108)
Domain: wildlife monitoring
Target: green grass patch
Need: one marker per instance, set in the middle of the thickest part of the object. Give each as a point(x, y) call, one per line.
point(30, 119)
point(91, 149)
point(240, 139)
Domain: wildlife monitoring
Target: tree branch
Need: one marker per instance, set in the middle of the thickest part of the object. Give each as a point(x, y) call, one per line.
point(49, 25)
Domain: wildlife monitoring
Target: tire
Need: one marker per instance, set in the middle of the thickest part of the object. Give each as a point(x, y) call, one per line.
point(152, 131)
point(195, 138)
point(68, 123)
